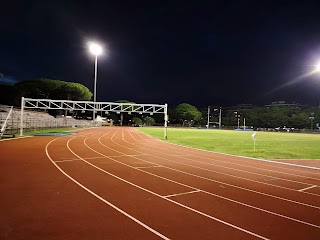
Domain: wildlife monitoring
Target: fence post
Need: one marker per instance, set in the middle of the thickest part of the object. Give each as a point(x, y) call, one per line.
point(21, 118)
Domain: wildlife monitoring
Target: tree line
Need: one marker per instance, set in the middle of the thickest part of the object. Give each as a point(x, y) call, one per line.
point(43, 89)
point(275, 117)
point(183, 114)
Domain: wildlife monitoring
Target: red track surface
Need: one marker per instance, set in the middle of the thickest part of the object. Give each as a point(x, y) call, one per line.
point(117, 183)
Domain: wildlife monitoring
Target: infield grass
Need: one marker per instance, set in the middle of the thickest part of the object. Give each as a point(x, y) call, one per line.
point(269, 145)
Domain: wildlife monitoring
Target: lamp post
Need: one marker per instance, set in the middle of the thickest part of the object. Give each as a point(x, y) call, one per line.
point(237, 115)
point(96, 50)
point(311, 119)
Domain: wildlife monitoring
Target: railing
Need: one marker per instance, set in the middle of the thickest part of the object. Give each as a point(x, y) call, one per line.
point(3, 128)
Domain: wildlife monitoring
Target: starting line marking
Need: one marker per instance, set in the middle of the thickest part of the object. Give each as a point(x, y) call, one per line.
point(178, 194)
point(307, 188)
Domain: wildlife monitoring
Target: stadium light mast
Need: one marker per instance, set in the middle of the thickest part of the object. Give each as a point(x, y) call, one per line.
point(96, 50)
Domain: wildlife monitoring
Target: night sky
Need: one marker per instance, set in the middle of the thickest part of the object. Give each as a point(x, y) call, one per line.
point(199, 52)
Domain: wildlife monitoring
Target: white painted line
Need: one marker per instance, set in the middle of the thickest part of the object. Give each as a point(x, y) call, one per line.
point(132, 155)
point(149, 167)
point(301, 190)
point(223, 161)
point(250, 158)
point(178, 194)
point(69, 160)
point(209, 179)
point(235, 176)
point(102, 199)
point(209, 193)
point(168, 199)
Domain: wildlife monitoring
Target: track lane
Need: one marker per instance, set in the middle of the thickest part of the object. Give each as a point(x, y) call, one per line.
point(190, 217)
point(219, 160)
point(251, 214)
point(249, 162)
point(196, 199)
point(253, 185)
point(38, 202)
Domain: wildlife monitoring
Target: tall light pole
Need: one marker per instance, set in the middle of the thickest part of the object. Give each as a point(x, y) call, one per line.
point(311, 119)
point(237, 115)
point(95, 49)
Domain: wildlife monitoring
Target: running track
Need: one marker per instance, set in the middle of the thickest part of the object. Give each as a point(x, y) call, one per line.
point(118, 183)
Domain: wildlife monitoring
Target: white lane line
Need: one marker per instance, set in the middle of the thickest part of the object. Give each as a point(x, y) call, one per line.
point(70, 160)
point(206, 192)
point(227, 174)
point(75, 159)
point(130, 155)
point(178, 194)
point(168, 199)
point(301, 190)
point(209, 193)
point(102, 199)
point(159, 150)
point(273, 162)
point(148, 167)
point(227, 184)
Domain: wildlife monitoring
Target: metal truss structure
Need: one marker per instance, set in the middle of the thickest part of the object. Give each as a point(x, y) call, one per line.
point(29, 103)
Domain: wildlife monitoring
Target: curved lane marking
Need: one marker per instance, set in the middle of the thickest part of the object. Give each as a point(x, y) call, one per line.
point(167, 199)
point(100, 198)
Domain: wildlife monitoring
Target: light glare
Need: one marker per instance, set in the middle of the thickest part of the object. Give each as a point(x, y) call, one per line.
point(95, 48)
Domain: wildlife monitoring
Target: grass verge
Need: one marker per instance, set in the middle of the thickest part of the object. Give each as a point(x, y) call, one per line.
point(49, 130)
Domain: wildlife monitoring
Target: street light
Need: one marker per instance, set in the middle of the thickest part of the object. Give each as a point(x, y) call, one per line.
point(311, 119)
point(96, 50)
point(237, 115)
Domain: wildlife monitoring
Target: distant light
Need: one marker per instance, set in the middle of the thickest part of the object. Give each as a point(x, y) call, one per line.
point(318, 67)
point(95, 48)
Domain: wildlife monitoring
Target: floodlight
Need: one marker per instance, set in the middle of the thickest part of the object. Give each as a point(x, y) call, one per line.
point(95, 48)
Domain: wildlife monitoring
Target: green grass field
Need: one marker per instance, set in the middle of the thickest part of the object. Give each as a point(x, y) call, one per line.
point(269, 145)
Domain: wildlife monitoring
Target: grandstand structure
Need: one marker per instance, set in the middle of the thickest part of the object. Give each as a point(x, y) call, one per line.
point(10, 121)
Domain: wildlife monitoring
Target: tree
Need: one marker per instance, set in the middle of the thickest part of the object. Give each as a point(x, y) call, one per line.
point(53, 89)
point(73, 91)
point(38, 88)
point(137, 121)
point(187, 112)
point(149, 121)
